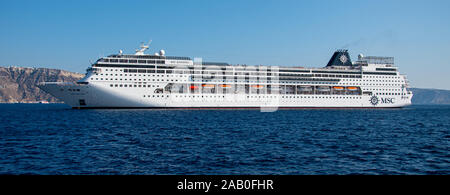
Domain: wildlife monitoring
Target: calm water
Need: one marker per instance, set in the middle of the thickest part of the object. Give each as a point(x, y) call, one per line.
point(54, 139)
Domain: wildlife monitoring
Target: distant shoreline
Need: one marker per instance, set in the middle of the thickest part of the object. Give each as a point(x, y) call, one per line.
point(19, 86)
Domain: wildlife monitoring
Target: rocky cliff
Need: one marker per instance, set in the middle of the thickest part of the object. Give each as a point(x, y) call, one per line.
point(18, 84)
point(430, 96)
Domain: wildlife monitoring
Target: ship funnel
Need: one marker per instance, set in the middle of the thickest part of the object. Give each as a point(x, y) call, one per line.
point(340, 58)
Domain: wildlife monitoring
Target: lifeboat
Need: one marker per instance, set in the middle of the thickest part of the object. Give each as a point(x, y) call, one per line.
point(208, 86)
point(323, 88)
point(352, 88)
point(257, 86)
point(193, 87)
point(225, 86)
point(274, 88)
point(338, 88)
point(305, 88)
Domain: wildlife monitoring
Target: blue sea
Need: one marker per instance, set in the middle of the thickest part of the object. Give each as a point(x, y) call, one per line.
point(55, 139)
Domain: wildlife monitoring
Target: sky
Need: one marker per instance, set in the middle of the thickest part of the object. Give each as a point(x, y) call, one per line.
point(71, 34)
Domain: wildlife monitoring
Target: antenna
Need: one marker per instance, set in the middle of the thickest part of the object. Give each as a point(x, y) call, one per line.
point(143, 47)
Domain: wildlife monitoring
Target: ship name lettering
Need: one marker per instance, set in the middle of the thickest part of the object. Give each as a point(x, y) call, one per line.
point(387, 100)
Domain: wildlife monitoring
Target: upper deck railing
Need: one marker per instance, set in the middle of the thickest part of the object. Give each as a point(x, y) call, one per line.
point(376, 60)
point(148, 57)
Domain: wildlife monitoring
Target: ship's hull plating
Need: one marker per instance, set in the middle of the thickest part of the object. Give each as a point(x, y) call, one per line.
point(99, 96)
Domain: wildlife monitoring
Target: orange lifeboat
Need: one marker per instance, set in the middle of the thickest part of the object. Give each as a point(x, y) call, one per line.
point(208, 86)
point(193, 87)
point(225, 86)
point(338, 88)
point(352, 88)
point(257, 86)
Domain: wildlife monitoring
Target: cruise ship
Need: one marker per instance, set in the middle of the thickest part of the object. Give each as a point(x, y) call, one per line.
point(143, 80)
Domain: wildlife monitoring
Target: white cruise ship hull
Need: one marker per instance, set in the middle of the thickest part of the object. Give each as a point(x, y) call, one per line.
point(98, 96)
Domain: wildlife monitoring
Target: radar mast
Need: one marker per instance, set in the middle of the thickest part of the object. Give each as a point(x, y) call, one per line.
point(143, 47)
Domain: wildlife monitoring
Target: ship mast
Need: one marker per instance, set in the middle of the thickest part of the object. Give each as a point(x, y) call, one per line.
point(143, 47)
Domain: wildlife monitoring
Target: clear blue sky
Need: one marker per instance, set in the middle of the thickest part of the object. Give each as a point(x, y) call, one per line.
point(68, 34)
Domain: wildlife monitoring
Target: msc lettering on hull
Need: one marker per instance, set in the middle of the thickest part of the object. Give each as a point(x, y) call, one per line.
point(387, 100)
